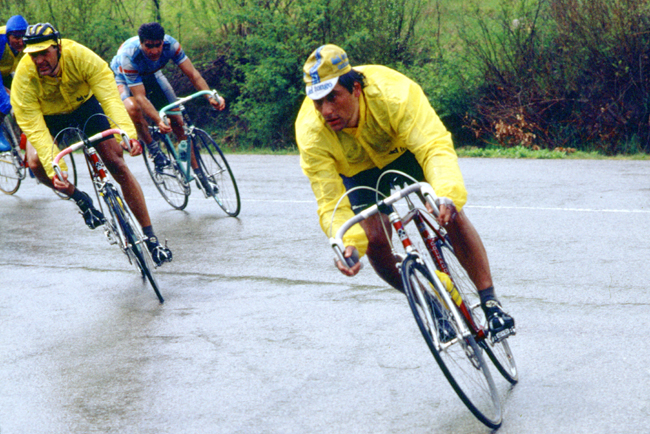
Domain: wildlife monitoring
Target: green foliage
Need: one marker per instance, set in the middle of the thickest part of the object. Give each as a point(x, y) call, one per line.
point(564, 73)
point(533, 73)
point(514, 152)
point(273, 40)
point(267, 67)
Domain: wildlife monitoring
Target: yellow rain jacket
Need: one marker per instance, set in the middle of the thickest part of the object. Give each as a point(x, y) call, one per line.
point(82, 75)
point(395, 116)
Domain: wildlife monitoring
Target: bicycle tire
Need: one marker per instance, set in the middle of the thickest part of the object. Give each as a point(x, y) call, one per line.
point(461, 359)
point(131, 241)
point(217, 170)
point(171, 182)
point(499, 353)
point(12, 168)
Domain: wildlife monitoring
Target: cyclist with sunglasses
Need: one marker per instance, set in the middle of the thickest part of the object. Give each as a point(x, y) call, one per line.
point(62, 84)
point(145, 90)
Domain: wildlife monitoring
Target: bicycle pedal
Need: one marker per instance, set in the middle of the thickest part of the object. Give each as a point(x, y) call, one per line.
point(503, 334)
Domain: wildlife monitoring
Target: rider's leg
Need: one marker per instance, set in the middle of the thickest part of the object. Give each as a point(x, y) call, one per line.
point(470, 250)
point(137, 116)
point(111, 153)
point(379, 251)
point(472, 255)
point(35, 165)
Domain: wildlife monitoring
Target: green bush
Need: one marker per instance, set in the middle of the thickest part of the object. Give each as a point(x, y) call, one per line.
point(561, 73)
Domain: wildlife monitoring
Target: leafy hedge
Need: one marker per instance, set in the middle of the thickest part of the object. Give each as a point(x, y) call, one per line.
point(534, 73)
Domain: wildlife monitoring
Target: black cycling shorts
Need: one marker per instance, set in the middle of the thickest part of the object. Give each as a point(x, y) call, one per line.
point(88, 117)
point(363, 198)
point(155, 93)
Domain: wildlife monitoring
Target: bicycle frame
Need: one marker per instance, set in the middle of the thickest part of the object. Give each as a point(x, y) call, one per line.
point(90, 153)
point(95, 166)
point(120, 228)
point(431, 243)
point(183, 164)
point(177, 108)
point(459, 310)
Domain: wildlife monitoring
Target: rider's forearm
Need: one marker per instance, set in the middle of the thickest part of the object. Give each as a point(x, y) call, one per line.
point(148, 108)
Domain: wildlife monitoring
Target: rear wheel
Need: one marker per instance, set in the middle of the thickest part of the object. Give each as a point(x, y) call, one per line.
point(460, 359)
point(500, 353)
point(12, 168)
point(170, 182)
point(123, 227)
point(217, 170)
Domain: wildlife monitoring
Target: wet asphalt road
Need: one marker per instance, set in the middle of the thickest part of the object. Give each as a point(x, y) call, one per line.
point(260, 334)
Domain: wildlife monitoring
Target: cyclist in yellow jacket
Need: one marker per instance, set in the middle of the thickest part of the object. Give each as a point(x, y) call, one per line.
point(63, 84)
point(355, 124)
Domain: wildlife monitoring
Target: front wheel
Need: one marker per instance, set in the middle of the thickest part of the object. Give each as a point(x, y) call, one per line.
point(123, 228)
point(499, 353)
point(217, 170)
point(459, 356)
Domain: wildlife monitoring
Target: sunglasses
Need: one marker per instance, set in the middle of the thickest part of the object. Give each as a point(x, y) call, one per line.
point(156, 45)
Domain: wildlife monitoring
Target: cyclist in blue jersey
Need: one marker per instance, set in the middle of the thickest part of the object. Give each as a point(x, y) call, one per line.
point(144, 89)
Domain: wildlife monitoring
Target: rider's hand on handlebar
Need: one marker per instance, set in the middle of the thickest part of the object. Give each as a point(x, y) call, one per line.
point(63, 186)
point(217, 104)
point(448, 211)
point(164, 127)
point(136, 147)
point(350, 252)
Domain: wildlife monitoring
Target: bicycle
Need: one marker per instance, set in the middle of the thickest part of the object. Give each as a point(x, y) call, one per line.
point(440, 294)
point(120, 227)
point(13, 164)
point(173, 182)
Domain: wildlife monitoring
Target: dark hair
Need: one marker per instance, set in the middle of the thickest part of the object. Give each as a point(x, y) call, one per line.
point(348, 79)
point(151, 32)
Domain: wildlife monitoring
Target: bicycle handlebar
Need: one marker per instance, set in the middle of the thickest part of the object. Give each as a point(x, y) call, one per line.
point(82, 143)
point(163, 111)
point(427, 191)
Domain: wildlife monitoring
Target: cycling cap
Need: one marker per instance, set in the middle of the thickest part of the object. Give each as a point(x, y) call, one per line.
point(323, 69)
point(40, 37)
point(16, 24)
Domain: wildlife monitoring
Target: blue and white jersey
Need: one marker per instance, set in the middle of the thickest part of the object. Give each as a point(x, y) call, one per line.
point(130, 63)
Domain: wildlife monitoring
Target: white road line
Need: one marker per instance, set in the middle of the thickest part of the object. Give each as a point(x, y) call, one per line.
point(534, 208)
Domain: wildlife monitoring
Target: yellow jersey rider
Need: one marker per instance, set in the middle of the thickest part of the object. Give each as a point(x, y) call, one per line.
point(357, 123)
point(63, 84)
